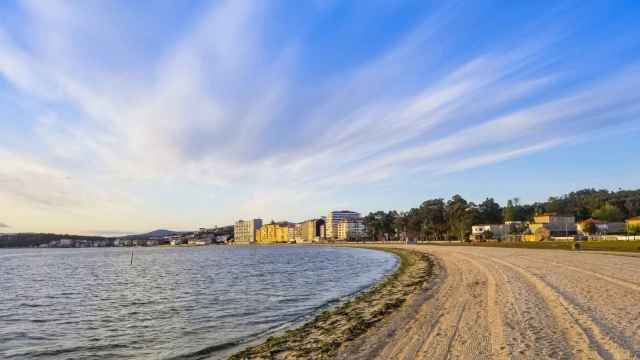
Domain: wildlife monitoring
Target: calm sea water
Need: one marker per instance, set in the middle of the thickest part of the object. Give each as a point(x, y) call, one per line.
point(172, 302)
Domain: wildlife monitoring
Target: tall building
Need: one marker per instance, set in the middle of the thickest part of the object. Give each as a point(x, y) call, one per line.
point(244, 232)
point(309, 231)
point(350, 229)
point(334, 218)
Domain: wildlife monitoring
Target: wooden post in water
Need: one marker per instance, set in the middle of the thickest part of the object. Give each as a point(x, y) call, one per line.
point(131, 257)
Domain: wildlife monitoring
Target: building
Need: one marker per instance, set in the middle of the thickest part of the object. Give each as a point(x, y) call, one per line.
point(222, 238)
point(633, 224)
point(350, 229)
point(200, 241)
point(601, 227)
point(498, 231)
point(334, 218)
point(176, 240)
point(558, 225)
point(139, 242)
point(65, 243)
point(275, 233)
point(309, 231)
point(244, 232)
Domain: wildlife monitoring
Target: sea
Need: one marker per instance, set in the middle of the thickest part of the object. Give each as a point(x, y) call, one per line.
point(170, 303)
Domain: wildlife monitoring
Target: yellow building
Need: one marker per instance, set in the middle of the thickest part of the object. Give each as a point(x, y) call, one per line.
point(633, 223)
point(556, 224)
point(274, 233)
point(308, 231)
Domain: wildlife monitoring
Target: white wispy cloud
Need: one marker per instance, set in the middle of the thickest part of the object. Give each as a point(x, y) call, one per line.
point(217, 106)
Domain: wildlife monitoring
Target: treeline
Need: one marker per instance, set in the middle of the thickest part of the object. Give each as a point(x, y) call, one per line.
point(37, 239)
point(437, 219)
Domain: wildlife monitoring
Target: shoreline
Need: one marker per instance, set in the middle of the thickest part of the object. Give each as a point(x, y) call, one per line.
point(325, 335)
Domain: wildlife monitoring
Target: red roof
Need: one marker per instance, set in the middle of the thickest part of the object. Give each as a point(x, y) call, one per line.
point(595, 221)
point(547, 214)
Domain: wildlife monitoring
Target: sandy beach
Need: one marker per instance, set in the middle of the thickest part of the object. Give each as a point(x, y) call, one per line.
point(494, 303)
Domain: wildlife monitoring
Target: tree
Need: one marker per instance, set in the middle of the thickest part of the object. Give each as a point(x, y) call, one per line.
point(589, 227)
point(509, 212)
point(459, 216)
point(490, 212)
point(434, 219)
point(609, 213)
point(373, 224)
point(516, 212)
point(380, 225)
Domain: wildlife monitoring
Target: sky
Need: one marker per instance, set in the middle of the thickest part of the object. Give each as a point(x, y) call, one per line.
point(125, 116)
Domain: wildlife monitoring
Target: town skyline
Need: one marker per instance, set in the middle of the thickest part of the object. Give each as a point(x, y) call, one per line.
point(120, 118)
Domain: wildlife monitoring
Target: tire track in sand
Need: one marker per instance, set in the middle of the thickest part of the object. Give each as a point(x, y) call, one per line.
point(624, 283)
point(494, 313)
point(587, 339)
point(464, 331)
point(429, 319)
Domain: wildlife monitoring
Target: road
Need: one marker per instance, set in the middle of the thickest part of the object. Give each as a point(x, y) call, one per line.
point(498, 303)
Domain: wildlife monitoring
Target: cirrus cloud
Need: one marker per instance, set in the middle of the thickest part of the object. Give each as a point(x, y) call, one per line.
point(226, 104)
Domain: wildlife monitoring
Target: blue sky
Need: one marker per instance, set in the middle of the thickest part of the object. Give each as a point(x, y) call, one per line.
point(120, 116)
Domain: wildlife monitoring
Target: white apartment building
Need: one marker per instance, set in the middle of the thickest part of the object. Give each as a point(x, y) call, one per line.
point(335, 217)
point(244, 232)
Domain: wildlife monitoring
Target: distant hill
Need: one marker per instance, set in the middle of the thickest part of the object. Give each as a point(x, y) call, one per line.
point(154, 233)
point(36, 239)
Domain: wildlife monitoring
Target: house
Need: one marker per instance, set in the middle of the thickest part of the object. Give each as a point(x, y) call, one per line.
point(633, 224)
point(557, 225)
point(176, 241)
point(498, 231)
point(601, 227)
point(139, 242)
point(65, 243)
point(222, 238)
point(200, 241)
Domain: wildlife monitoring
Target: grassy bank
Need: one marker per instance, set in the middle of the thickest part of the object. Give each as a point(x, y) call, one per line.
point(604, 245)
point(322, 337)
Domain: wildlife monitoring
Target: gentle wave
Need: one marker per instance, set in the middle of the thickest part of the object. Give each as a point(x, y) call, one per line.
point(179, 303)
